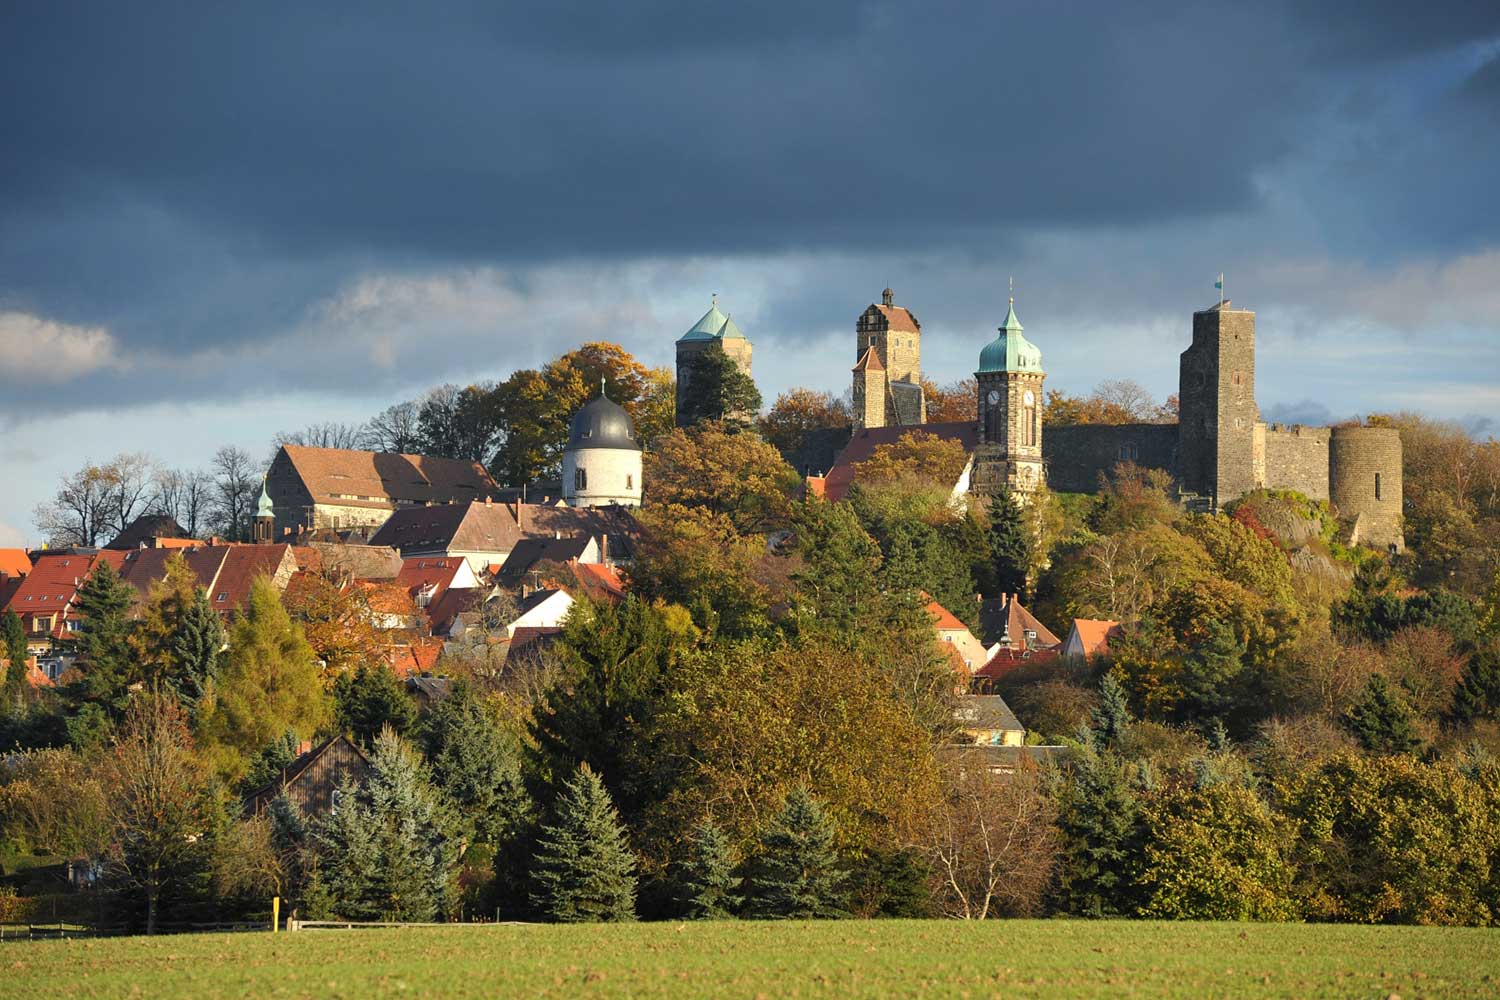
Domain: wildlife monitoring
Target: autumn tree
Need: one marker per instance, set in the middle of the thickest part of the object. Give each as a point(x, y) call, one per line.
point(175, 645)
point(915, 457)
point(158, 802)
point(798, 413)
point(337, 621)
point(268, 684)
point(951, 403)
point(990, 843)
point(1113, 401)
point(694, 557)
point(95, 503)
point(734, 474)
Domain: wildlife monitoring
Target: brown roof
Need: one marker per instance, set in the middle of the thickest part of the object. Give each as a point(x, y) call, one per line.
point(869, 361)
point(599, 581)
point(418, 658)
point(862, 445)
point(242, 564)
point(531, 552)
point(333, 474)
point(499, 527)
point(942, 619)
point(452, 603)
point(147, 528)
point(1001, 615)
point(49, 588)
point(900, 318)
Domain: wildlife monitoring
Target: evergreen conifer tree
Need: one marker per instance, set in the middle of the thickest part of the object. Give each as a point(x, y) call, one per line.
point(13, 693)
point(707, 883)
point(583, 868)
point(271, 761)
point(197, 645)
point(1111, 717)
point(1477, 695)
point(1100, 827)
point(476, 763)
point(1010, 541)
point(387, 852)
point(718, 389)
point(370, 699)
point(106, 661)
point(1382, 721)
point(797, 875)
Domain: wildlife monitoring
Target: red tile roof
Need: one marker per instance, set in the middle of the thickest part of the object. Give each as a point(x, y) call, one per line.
point(242, 564)
point(864, 443)
point(418, 658)
point(869, 361)
point(1007, 659)
point(599, 580)
point(1004, 615)
point(815, 486)
point(900, 319)
point(1094, 635)
point(943, 619)
point(419, 573)
point(50, 586)
point(14, 562)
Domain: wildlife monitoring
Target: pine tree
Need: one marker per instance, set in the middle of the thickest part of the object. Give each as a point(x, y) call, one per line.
point(272, 761)
point(1477, 695)
point(370, 699)
point(1010, 541)
point(706, 880)
point(1111, 717)
point(583, 869)
point(13, 693)
point(419, 854)
point(387, 852)
point(197, 647)
point(476, 763)
point(718, 389)
point(797, 875)
point(106, 661)
point(1382, 721)
point(1100, 828)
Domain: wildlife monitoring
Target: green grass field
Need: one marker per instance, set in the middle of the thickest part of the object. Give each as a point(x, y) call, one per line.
point(834, 959)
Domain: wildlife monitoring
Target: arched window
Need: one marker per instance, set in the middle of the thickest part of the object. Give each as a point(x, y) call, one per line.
point(580, 479)
point(1028, 426)
point(1377, 486)
point(630, 480)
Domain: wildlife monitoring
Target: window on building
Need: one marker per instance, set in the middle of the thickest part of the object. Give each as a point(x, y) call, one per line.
point(629, 481)
point(1028, 426)
point(223, 596)
point(1128, 452)
point(580, 479)
point(1377, 486)
point(43, 624)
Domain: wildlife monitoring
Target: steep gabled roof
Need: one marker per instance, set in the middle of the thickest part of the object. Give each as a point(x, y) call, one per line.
point(369, 478)
point(899, 319)
point(869, 361)
point(1093, 636)
point(1004, 615)
point(145, 528)
point(942, 619)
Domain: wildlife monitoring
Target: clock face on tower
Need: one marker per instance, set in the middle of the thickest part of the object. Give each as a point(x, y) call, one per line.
point(994, 396)
point(1029, 399)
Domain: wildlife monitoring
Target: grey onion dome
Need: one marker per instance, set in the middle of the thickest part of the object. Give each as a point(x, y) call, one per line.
point(603, 423)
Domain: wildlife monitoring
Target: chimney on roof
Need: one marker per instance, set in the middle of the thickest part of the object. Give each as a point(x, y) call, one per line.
point(604, 550)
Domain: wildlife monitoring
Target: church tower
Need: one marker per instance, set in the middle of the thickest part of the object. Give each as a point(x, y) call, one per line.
point(715, 330)
point(263, 525)
point(1010, 376)
point(888, 366)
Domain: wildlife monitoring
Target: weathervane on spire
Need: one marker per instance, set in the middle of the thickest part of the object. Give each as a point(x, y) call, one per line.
point(1012, 289)
point(715, 300)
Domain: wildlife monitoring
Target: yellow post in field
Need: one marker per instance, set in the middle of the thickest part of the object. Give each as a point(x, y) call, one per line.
point(275, 912)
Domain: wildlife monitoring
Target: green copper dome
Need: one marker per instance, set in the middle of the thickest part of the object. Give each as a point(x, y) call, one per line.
point(264, 507)
point(1011, 351)
point(713, 326)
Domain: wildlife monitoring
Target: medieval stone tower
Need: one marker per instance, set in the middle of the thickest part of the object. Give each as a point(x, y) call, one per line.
point(1010, 376)
point(715, 329)
point(1216, 433)
point(887, 387)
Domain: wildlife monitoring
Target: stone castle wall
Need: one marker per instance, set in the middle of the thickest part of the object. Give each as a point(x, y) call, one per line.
point(1296, 458)
point(1077, 455)
point(1365, 483)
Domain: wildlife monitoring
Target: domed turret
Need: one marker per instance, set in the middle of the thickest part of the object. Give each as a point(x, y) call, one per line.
point(602, 459)
point(1011, 351)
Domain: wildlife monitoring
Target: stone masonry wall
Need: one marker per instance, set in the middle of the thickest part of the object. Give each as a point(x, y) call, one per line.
point(1297, 459)
point(1365, 483)
point(1077, 455)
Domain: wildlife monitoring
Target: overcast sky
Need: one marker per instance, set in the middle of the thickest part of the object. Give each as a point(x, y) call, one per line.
point(217, 226)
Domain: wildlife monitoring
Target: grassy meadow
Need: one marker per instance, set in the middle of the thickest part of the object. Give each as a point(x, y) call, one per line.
point(830, 959)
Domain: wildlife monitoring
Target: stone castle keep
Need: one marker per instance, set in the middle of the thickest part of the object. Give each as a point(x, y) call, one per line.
point(1219, 449)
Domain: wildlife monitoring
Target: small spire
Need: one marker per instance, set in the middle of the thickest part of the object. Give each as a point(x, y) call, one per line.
point(714, 300)
point(1012, 289)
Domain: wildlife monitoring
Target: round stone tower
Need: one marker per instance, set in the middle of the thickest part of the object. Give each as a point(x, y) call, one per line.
point(1364, 483)
point(602, 460)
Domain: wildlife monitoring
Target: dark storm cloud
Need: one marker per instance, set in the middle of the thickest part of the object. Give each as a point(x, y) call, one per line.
point(189, 177)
